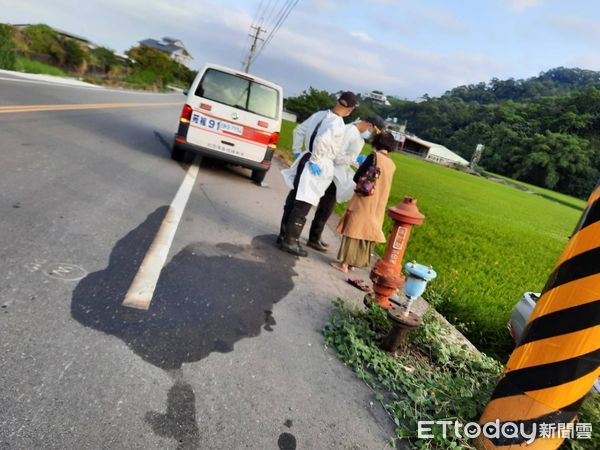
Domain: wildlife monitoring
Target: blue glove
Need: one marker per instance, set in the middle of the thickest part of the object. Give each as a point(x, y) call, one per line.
point(361, 159)
point(296, 155)
point(316, 170)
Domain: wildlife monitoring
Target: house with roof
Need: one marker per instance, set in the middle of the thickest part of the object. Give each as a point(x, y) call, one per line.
point(428, 151)
point(63, 33)
point(171, 46)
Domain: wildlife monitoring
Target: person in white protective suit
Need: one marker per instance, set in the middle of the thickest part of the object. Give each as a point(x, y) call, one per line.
point(342, 187)
point(321, 135)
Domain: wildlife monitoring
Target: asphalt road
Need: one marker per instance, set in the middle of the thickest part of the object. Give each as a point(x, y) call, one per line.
point(229, 355)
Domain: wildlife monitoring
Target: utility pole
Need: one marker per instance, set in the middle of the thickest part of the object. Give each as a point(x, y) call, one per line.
point(256, 37)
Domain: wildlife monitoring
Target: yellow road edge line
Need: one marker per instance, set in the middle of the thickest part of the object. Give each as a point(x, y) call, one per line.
point(142, 288)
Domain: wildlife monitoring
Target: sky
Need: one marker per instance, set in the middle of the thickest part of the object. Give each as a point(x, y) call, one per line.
point(401, 47)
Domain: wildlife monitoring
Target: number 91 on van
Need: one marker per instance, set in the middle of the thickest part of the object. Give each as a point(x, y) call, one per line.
point(231, 116)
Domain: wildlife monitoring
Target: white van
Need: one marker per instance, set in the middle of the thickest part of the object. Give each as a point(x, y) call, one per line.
point(232, 116)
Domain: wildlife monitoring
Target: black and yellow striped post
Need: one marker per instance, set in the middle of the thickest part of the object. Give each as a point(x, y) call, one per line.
point(558, 359)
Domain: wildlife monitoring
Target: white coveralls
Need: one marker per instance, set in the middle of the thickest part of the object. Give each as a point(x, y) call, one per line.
point(325, 149)
point(352, 145)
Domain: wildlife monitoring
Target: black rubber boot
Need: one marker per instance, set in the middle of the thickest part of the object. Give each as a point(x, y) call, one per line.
point(322, 214)
point(317, 244)
point(291, 242)
point(281, 236)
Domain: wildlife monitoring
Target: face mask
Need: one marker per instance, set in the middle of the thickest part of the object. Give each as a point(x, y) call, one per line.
point(366, 135)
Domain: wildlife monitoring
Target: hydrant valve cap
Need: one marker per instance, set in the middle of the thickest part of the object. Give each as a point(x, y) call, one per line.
point(407, 212)
point(420, 271)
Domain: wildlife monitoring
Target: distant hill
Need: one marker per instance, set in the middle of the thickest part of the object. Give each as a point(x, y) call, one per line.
point(559, 81)
point(544, 130)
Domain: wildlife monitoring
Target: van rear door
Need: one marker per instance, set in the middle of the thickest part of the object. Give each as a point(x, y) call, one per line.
point(234, 114)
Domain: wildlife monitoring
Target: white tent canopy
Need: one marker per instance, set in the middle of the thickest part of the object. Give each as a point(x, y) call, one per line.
point(429, 150)
point(439, 153)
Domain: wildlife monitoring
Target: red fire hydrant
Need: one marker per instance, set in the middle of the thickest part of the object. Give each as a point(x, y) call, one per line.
point(387, 274)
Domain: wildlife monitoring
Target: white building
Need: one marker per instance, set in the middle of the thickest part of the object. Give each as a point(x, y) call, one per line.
point(377, 97)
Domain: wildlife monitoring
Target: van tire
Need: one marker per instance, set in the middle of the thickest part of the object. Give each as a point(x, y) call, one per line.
point(258, 176)
point(177, 154)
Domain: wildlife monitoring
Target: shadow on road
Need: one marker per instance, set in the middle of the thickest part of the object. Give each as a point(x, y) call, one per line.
point(209, 296)
point(179, 421)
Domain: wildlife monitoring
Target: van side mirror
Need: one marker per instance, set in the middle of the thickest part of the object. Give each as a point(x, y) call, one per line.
point(185, 91)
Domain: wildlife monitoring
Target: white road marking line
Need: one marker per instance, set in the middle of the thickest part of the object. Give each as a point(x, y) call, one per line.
point(69, 85)
point(142, 288)
point(57, 83)
point(80, 106)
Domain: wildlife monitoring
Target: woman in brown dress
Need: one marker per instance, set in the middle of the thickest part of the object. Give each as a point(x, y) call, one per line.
point(361, 225)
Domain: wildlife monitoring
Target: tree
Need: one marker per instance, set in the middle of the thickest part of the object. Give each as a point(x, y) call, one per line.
point(103, 58)
point(74, 54)
point(363, 111)
point(152, 59)
point(43, 40)
point(7, 47)
point(552, 160)
point(151, 66)
point(544, 130)
point(309, 102)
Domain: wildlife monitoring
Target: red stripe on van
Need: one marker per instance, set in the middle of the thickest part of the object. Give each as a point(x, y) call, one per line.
point(255, 136)
point(229, 135)
point(204, 113)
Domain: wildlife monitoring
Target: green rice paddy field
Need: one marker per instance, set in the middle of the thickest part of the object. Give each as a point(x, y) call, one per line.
point(488, 242)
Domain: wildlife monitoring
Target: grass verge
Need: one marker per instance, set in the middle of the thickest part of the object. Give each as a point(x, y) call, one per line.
point(432, 379)
point(284, 144)
point(27, 65)
point(589, 413)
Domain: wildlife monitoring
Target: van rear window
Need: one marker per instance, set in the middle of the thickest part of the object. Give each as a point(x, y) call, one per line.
point(239, 92)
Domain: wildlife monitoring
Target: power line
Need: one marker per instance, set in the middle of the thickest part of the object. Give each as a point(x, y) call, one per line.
point(286, 4)
point(266, 13)
point(263, 16)
point(257, 13)
point(270, 14)
point(278, 25)
point(249, 41)
point(282, 17)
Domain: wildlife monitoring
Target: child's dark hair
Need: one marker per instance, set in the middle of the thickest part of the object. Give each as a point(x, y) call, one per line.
point(384, 141)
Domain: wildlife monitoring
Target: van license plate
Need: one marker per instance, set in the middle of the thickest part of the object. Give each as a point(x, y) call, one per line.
point(231, 128)
point(213, 124)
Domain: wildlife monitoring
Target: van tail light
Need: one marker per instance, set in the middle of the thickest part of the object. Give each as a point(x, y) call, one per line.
point(273, 139)
point(186, 114)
